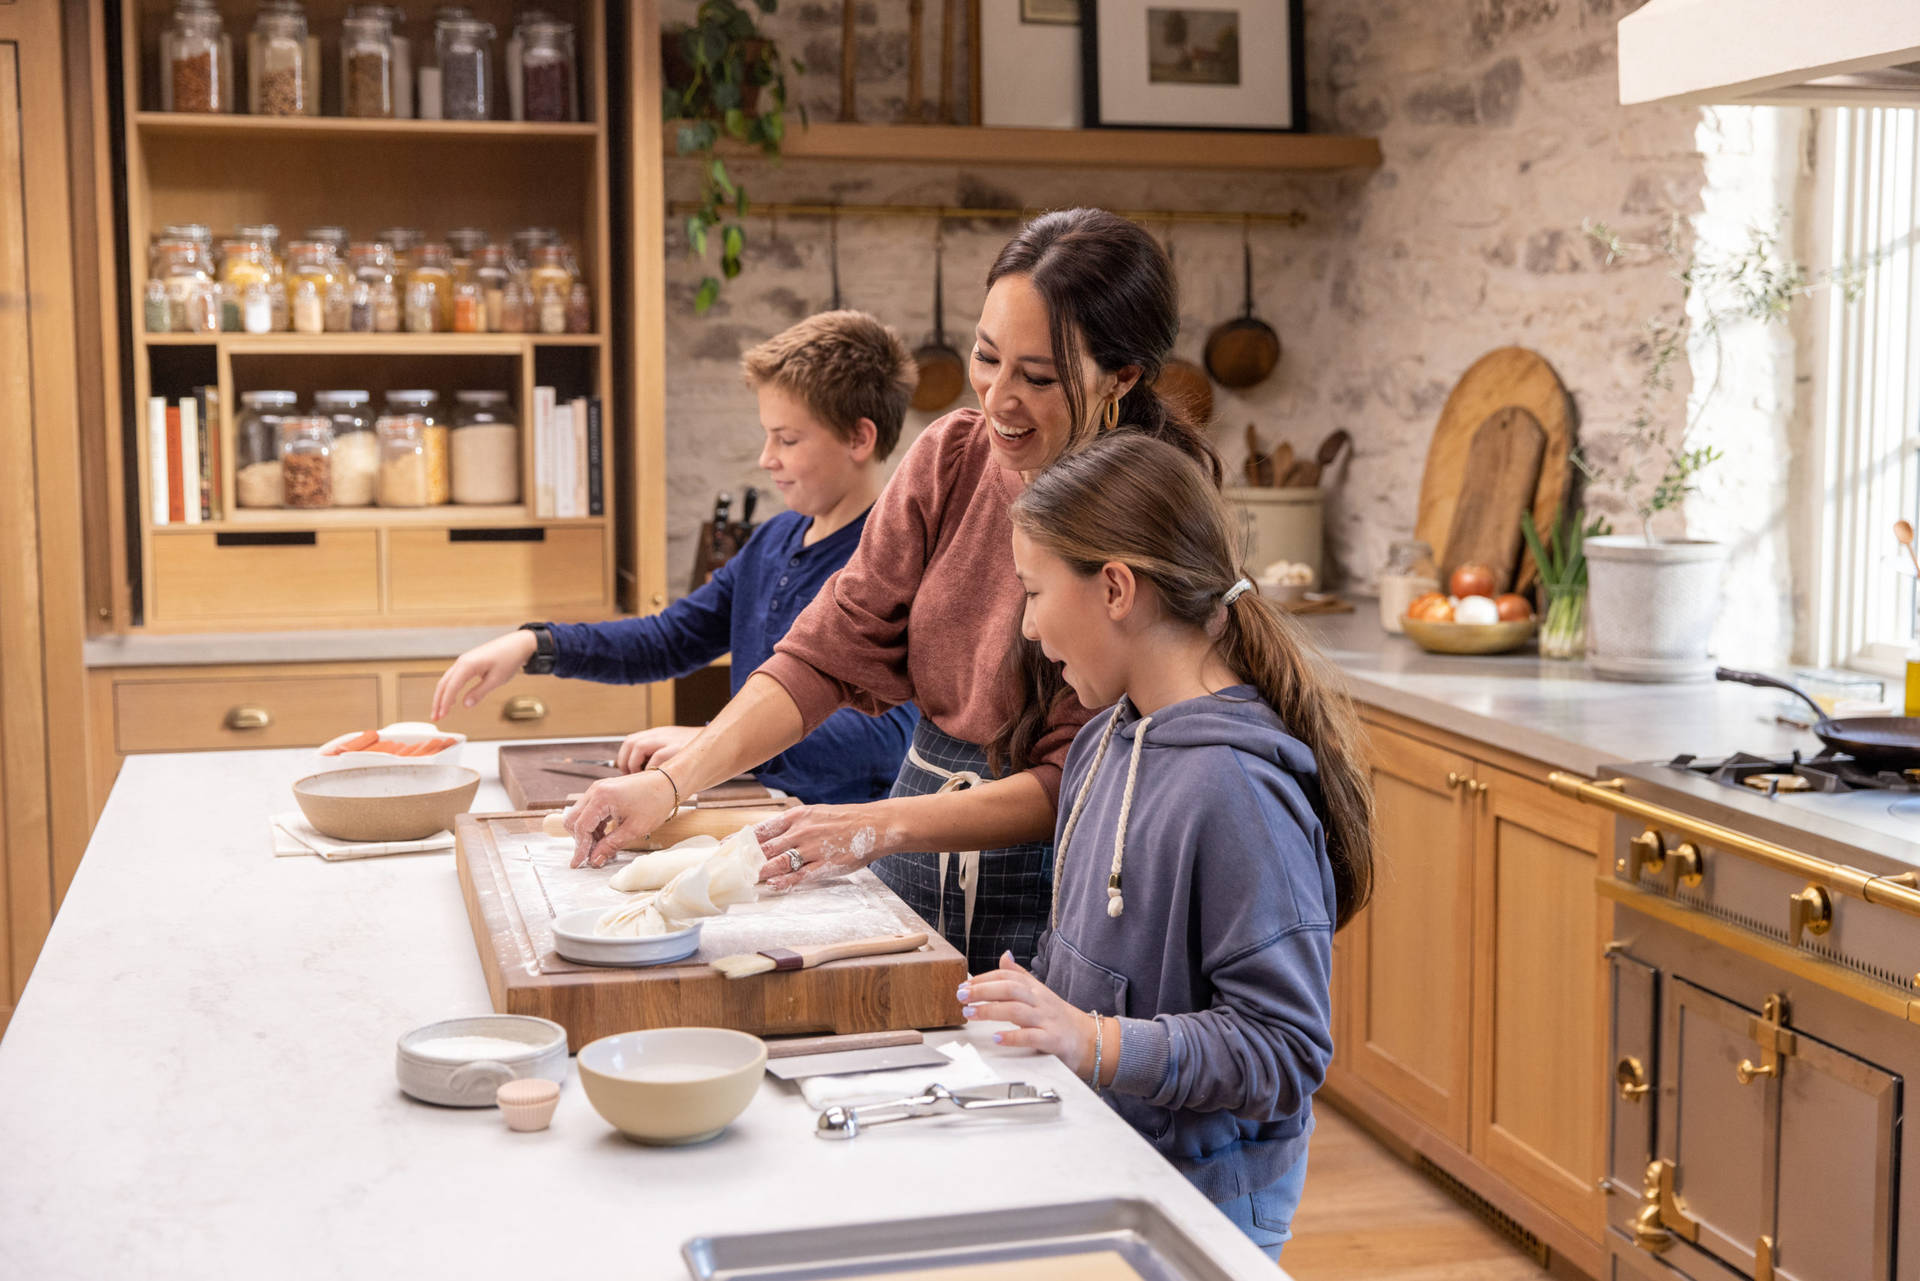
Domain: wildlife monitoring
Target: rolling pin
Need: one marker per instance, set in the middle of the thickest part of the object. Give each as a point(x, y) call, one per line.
point(686, 821)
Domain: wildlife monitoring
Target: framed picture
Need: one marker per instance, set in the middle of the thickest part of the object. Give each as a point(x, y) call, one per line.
point(1050, 13)
point(1029, 71)
point(1210, 64)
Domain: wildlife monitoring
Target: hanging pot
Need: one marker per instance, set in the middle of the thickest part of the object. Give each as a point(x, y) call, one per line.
point(1242, 353)
point(1182, 383)
point(942, 371)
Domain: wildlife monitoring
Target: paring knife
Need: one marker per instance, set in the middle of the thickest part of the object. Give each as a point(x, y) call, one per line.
point(582, 773)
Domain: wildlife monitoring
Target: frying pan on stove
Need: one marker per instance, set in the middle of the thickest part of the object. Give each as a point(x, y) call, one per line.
point(1876, 739)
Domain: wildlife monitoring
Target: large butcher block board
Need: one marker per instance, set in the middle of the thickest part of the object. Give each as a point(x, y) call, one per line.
point(515, 881)
point(532, 786)
point(1502, 467)
point(1502, 377)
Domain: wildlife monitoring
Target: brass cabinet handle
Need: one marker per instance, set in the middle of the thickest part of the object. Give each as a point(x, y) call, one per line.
point(525, 707)
point(1456, 780)
point(1476, 787)
point(247, 716)
point(1631, 1077)
point(1647, 850)
point(1809, 912)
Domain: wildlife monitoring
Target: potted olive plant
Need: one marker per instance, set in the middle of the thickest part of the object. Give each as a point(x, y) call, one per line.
point(1653, 601)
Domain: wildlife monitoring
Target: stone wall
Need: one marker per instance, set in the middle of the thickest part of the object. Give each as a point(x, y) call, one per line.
point(1501, 132)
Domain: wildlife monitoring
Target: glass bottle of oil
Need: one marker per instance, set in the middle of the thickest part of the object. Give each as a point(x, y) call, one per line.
point(1913, 660)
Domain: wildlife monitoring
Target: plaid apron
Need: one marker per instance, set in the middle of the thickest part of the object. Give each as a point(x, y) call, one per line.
point(984, 902)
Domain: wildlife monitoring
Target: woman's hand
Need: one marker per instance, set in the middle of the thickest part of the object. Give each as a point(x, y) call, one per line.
point(1042, 1021)
point(485, 667)
point(653, 747)
point(831, 841)
point(615, 813)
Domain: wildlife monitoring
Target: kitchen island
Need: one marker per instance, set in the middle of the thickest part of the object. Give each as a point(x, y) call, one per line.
point(198, 1082)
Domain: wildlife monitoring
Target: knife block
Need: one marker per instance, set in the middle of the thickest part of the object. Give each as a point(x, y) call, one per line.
point(711, 550)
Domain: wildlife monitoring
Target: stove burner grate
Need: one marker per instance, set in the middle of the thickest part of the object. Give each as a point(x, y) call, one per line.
point(1829, 771)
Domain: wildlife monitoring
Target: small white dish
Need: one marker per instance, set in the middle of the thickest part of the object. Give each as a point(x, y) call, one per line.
point(573, 938)
point(398, 732)
point(462, 1082)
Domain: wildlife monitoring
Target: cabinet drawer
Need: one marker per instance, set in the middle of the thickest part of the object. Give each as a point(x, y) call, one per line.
point(534, 707)
point(192, 715)
point(231, 577)
point(502, 570)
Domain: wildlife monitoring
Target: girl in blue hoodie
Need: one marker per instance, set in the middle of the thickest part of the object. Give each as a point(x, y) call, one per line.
point(1219, 829)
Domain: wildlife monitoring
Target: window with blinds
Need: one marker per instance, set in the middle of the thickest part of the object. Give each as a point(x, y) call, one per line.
point(1868, 388)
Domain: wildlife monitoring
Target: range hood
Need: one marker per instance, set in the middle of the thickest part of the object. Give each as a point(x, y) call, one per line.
point(1843, 53)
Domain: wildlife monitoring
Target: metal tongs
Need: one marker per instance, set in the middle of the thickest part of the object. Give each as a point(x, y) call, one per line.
point(845, 1123)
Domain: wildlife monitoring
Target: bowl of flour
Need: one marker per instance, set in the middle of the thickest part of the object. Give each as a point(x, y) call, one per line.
point(461, 1062)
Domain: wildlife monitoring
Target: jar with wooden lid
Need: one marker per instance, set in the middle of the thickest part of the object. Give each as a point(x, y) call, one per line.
point(277, 60)
point(403, 461)
point(256, 453)
point(433, 269)
point(548, 68)
point(306, 461)
point(425, 405)
point(464, 47)
point(196, 60)
point(486, 448)
point(366, 65)
point(356, 450)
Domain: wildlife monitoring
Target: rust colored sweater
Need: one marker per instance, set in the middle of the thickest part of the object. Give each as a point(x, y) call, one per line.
point(928, 605)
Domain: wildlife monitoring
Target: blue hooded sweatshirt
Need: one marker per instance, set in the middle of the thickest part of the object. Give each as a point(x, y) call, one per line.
point(1220, 963)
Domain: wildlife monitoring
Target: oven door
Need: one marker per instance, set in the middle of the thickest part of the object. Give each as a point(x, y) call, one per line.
point(1632, 1099)
point(1839, 1130)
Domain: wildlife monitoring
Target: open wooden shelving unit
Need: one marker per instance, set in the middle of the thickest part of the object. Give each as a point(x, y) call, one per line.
point(268, 569)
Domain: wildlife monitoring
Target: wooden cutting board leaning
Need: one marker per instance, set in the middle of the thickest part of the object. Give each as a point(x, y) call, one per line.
point(1503, 468)
point(1503, 377)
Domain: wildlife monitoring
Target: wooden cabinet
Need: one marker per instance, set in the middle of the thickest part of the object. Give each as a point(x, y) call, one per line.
point(532, 707)
point(265, 578)
point(1470, 995)
point(190, 714)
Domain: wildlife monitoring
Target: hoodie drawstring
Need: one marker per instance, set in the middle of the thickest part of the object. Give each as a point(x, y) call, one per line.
point(1115, 903)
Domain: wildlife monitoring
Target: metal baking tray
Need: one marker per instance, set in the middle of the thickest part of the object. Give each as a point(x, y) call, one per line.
point(1138, 1231)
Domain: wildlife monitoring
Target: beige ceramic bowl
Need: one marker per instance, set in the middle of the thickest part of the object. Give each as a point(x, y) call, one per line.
point(1469, 638)
point(672, 1085)
point(386, 802)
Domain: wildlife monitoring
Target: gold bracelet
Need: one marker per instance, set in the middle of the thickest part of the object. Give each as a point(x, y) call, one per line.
point(670, 783)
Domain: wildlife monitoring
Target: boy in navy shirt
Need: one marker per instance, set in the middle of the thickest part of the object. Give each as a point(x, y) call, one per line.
point(833, 391)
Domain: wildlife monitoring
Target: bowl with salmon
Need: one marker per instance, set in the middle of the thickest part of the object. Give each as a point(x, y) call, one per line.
point(402, 743)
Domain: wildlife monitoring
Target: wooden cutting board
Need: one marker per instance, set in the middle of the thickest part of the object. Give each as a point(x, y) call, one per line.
point(513, 930)
point(1506, 376)
point(531, 786)
point(1503, 466)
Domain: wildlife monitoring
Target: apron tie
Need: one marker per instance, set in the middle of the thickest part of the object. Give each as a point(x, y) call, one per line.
point(954, 781)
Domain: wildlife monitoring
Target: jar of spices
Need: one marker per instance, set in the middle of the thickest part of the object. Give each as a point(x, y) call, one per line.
point(277, 61)
point(524, 242)
point(335, 239)
point(403, 461)
point(203, 309)
point(433, 269)
point(309, 314)
point(513, 308)
point(548, 268)
point(551, 307)
point(400, 63)
point(182, 268)
point(356, 450)
point(310, 263)
point(465, 244)
point(403, 241)
point(579, 310)
point(425, 405)
point(490, 273)
point(366, 65)
point(386, 307)
point(256, 310)
point(256, 461)
point(547, 68)
point(306, 461)
point(196, 60)
point(469, 308)
point(465, 50)
point(486, 449)
point(156, 310)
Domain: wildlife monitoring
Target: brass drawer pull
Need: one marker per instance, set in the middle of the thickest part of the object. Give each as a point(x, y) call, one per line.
point(1631, 1078)
point(1749, 1070)
point(1456, 780)
point(247, 717)
point(525, 707)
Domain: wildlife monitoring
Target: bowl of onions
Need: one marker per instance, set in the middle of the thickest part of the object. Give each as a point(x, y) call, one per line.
point(1471, 621)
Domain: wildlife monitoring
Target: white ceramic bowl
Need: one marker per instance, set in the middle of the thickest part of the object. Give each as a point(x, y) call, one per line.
point(573, 938)
point(472, 1082)
point(399, 732)
point(672, 1085)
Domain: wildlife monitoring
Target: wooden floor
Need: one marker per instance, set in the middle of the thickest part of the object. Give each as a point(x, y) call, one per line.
point(1368, 1215)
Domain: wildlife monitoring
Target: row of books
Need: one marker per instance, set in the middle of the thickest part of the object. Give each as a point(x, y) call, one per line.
point(568, 467)
point(183, 457)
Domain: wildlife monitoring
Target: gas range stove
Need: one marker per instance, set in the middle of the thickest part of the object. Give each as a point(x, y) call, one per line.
point(1823, 795)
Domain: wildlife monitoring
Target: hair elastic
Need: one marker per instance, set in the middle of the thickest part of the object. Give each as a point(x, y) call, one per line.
point(1239, 588)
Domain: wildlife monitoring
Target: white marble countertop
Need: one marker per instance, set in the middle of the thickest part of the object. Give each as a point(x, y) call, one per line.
point(1548, 710)
point(198, 1082)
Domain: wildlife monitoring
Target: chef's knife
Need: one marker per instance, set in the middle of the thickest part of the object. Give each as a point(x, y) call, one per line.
point(582, 773)
point(747, 503)
point(722, 507)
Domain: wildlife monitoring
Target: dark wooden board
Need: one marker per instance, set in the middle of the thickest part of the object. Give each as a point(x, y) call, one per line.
point(531, 786)
point(1503, 464)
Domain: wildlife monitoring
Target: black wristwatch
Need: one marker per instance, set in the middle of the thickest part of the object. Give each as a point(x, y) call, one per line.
point(541, 664)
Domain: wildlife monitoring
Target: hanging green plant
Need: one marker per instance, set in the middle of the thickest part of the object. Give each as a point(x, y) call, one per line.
point(724, 79)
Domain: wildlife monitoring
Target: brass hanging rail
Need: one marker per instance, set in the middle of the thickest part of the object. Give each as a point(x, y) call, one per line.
point(1284, 218)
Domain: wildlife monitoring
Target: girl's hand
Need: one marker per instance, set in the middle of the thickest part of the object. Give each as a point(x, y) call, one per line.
point(615, 813)
point(832, 841)
point(1042, 1021)
point(653, 747)
point(484, 667)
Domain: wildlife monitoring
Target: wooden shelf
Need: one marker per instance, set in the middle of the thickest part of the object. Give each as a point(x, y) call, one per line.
point(1071, 148)
point(181, 124)
point(446, 516)
point(287, 344)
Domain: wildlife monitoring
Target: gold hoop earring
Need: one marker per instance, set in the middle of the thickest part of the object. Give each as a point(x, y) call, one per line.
point(1113, 414)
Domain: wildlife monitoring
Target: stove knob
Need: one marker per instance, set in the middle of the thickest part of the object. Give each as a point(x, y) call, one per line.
point(1809, 912)
point(1688, 868)
point(1646, 850)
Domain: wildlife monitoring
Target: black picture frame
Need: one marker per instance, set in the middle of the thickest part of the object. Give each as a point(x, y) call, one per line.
point(1094, 118)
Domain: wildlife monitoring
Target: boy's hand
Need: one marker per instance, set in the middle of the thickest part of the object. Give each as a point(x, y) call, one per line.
point(1042, 1021)
point(484, 667)
point(654, 746)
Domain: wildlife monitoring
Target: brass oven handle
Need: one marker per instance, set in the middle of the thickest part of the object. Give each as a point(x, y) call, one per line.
point(524, 707)
point(247, 716)
point(1631, 1077)
point(1748, 1070)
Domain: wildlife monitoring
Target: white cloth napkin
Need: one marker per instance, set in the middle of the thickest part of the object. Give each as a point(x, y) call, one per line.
point(293, 836)
point(966, 1071)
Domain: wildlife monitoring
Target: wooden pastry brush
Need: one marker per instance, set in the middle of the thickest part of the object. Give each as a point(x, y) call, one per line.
point(805, 958)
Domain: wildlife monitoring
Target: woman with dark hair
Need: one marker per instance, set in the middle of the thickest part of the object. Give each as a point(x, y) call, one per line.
point(1079, 316)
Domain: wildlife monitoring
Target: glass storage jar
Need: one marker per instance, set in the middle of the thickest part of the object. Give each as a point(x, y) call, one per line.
point(490, 273)
point(277, 74)
point(196, 60)
point(366, 65)
point(306, 461)
point(547, 68)
point(425, 405)
point(256, 454)
point(403, 461)
point(433, 269)
point(400, 63)
point(370, 260)
point(464, 245)
point(469, 308)
point(403, 241)
point(465, 50)
point(356, 450)
point(156, 311)
point(335, 239)
point(1409, 573)
point(182, 267)
point(486, 448)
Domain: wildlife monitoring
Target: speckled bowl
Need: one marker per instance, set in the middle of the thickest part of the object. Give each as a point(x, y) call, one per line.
point(672, 1085)
point(386, 802)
